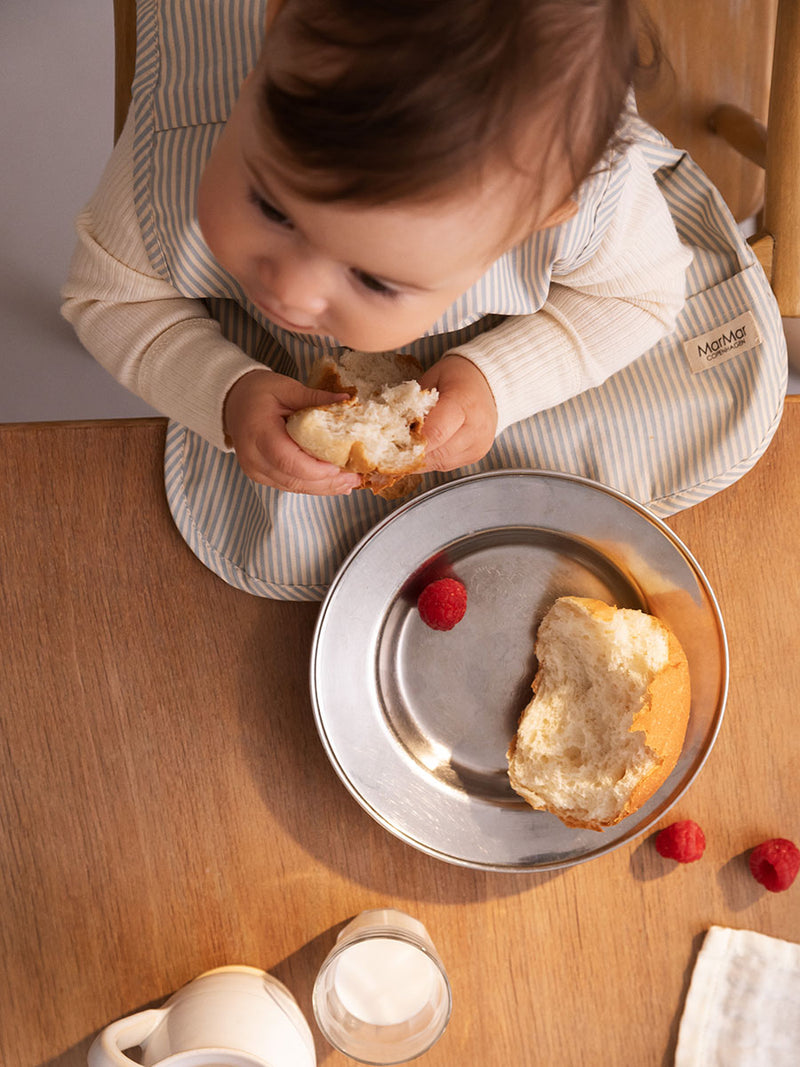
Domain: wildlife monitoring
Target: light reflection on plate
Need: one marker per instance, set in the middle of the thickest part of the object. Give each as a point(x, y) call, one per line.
point(417, 722)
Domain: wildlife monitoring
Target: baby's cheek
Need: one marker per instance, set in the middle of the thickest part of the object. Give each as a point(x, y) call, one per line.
point(377, 327)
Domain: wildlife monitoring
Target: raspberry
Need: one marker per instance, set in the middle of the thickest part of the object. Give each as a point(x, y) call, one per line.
point(682, 841)
point(442, 603)
point(775, 863)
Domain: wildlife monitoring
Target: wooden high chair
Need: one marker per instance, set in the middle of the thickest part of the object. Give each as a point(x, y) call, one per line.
point(732, 74)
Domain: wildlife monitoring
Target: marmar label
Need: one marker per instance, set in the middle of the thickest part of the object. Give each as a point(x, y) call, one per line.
point(722, 343)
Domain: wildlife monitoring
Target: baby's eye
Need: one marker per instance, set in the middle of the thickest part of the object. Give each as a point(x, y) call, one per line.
point(375, 285)
point(269, 211)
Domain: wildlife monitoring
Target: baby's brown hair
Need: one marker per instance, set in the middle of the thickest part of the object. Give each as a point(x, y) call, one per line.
point(384, 100)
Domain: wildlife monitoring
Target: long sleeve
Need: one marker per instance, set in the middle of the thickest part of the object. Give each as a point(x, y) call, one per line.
point(598, 317)
point(160, 345)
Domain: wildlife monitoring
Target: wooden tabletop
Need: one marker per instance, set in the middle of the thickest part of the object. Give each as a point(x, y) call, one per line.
point(166, 805)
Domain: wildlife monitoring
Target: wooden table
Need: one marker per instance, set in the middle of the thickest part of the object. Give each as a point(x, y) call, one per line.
point(166, 805)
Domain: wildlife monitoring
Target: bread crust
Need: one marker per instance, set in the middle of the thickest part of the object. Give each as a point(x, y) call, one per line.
point(662, 717)
point(664, 721)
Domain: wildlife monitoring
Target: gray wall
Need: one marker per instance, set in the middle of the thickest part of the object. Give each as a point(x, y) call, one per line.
point(56, 87)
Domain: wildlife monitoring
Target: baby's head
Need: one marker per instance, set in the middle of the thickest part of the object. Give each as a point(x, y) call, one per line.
point(382, 154)
point(380, 100)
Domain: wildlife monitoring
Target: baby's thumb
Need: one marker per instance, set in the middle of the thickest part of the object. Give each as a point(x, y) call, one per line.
point(313, 398)
point(444, 419)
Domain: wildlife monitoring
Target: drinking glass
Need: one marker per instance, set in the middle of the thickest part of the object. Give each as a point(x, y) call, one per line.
point(382, 995)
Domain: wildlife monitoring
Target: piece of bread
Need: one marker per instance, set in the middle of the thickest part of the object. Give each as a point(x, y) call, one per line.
point(607, 721)
point(375, 433)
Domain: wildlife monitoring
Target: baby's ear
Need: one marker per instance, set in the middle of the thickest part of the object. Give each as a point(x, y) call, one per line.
point(561, 214)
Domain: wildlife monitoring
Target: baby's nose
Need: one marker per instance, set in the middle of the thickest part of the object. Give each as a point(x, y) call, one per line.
point(298, 284)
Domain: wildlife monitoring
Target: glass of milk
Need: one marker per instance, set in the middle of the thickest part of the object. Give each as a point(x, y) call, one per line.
point(382, 994)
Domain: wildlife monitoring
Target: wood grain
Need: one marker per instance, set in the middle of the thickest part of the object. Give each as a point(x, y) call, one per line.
point(166, 806)
point(719, 52)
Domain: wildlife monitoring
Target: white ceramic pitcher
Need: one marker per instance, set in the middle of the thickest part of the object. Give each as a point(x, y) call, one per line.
point(228, 1017)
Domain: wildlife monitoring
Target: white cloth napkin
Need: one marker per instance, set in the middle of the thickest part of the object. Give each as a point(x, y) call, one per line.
point(743, 1004)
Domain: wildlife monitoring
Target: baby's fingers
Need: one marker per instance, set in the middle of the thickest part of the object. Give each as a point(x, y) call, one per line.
point(457, 440)
point(441, 423)
point(277, 461)
point(298, 472)
point(460, 450)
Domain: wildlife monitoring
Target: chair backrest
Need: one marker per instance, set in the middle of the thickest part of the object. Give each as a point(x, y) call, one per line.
point(717, 51)
point(730, 95)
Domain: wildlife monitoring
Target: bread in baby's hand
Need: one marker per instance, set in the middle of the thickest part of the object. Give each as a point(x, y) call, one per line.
point(375, 433)
point(608, 718)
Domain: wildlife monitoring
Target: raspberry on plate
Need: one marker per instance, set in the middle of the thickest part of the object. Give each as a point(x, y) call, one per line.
point(442, 603)
point(775, 863)
point(682, 841)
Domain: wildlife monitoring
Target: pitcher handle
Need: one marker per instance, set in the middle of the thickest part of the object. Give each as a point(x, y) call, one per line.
point(105, 1050)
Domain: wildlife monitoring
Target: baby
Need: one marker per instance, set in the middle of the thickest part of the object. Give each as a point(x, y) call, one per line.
point(379, 159)
point(464, 180)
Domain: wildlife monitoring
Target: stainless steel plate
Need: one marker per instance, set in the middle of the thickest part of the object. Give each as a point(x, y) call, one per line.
point(417, 722)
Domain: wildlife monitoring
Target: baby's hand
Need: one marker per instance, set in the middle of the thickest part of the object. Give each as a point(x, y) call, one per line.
point(461, 427)
point(255, 414)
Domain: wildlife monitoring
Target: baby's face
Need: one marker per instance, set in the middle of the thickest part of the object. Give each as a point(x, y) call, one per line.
point(372, 278)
